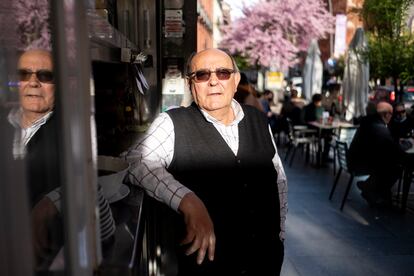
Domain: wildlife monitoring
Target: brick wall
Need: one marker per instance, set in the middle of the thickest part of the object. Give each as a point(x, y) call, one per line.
point(353, 22)
point(204, 34)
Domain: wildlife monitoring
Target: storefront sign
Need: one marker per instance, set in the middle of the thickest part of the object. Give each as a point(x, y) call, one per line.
point(274, 80)
point(173, 24)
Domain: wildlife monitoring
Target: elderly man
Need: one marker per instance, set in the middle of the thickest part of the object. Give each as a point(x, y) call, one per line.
point(375, 152)
point(36, 136)
point(401, 126)
point(216, 164)
point(35, 141)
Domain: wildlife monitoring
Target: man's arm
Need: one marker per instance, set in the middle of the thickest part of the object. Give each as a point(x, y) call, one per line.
point(149, 160)
point(282, 188)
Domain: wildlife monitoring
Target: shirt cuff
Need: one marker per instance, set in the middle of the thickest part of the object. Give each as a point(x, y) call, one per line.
point(178, 196)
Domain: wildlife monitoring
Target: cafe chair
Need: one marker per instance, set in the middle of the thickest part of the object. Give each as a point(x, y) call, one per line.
point(341, 148)
point(300, 137)
point(341, 134)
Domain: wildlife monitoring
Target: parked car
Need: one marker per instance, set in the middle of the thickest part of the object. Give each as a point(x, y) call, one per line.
point(382, 93)
point(408, 97)
point(378, 94)
point(387, 93)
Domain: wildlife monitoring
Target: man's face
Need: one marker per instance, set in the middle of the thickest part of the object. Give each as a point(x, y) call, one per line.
point(36, 91)
point(215, 93)
point(270, 97)
point(388, 115)
point(400, 113)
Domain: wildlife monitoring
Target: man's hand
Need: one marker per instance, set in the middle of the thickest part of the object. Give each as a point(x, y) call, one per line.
point(200, 229)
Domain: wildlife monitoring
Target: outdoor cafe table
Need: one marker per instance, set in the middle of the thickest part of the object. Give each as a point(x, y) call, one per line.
point(327, 126)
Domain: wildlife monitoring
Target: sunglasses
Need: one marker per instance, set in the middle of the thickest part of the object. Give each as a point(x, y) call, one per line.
point(399, 111)
point(204, 75)
point(44, 76)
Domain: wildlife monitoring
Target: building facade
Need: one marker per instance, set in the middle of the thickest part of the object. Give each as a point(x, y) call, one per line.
point(347, 21)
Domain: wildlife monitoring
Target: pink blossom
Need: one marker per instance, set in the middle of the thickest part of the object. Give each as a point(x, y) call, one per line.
point(273, 32)
point(33, 28)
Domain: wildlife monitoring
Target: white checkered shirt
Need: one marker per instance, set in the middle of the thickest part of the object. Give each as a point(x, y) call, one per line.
point(152, 154)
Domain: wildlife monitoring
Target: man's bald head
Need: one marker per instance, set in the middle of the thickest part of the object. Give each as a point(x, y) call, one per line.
point(384, 109)
point(45, 55)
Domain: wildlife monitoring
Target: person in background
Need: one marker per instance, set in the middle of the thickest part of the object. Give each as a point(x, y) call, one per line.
point(313, 112)
point(292, 108)
point(400, 125)
point(373, 151)
point(266, 101)
point(215, 163)
point(246, 94)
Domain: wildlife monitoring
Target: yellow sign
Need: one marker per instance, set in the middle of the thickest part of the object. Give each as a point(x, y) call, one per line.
point(274, 80)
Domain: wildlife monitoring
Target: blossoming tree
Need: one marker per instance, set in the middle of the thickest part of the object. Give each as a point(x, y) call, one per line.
point(32, 18)
point(273, 32)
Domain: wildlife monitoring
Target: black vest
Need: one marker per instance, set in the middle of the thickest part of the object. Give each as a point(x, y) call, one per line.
point(240, 192)
point(43, 161)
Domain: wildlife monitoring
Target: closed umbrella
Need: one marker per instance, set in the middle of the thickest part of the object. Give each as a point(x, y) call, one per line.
point(312, 71)
point(355, 86)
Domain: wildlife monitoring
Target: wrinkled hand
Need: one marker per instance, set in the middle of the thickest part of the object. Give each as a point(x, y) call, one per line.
point(200, 230)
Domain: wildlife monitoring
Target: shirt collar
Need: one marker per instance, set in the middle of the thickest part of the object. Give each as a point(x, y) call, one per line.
point(15, 117)
point(42, 120)
point(238, 114)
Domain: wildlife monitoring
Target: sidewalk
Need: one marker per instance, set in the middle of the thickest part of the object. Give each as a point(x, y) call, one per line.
point(322, 240)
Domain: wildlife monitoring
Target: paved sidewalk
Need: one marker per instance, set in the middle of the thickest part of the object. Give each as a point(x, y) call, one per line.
point(322, 240)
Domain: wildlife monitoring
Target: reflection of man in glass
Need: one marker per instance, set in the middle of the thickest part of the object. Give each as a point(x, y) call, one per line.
point(36, 94)
point(35, 137)
point(35, 140)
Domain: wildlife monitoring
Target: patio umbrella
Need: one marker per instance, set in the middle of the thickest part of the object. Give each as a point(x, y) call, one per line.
point(312, 71)
point(356, 77)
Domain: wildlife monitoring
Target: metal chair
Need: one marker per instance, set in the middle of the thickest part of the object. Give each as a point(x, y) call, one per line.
point(299, 137)
point(341, 151)
point(341, 134)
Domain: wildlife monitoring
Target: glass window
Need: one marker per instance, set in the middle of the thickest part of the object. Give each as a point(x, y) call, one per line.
point(48, 195)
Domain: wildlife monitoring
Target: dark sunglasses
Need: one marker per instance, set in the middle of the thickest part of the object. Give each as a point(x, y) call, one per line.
point(44, 76)
point(399, 111)
point(204, 75)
